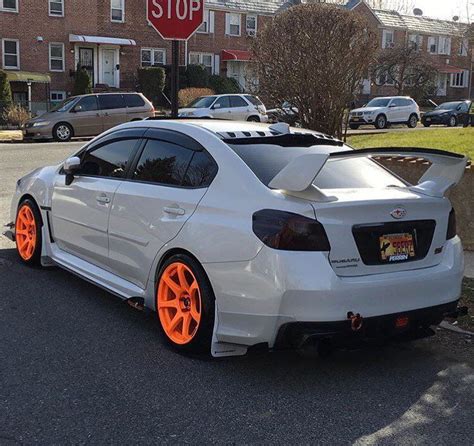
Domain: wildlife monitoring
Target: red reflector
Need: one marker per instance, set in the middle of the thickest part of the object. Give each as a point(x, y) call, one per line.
point(401, 322)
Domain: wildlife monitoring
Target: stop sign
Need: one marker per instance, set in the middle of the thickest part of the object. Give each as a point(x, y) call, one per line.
point(175, 19)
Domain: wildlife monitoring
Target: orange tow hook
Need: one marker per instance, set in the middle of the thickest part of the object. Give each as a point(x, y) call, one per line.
point(356, 320)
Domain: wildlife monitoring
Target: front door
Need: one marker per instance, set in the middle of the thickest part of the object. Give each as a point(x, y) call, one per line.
point(221, 108)
point(86, 61)
point(80, 210)
point(108, 67)
point(441, 84)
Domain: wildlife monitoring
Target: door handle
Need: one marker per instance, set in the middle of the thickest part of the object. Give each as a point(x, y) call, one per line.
point(103, 199)
point(174, 210)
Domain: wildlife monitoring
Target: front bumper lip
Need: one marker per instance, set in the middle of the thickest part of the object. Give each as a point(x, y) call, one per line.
point(294, 334)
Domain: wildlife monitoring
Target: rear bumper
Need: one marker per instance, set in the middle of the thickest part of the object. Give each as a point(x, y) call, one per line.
point(257, 297)
point(416, 324)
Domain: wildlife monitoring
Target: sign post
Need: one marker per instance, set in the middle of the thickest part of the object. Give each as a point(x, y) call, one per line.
point(175, 20)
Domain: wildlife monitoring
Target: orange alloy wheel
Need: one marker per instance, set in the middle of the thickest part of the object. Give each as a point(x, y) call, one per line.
point(25, 232)
point(179, 303)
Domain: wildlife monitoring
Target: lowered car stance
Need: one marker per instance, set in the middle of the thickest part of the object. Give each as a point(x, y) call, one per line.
point(240, 234)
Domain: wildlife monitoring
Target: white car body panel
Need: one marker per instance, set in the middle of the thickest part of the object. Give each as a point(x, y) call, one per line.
point(257, 288)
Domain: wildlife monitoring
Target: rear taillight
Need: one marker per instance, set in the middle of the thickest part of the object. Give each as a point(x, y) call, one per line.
point(290, 232)
point(451, 232)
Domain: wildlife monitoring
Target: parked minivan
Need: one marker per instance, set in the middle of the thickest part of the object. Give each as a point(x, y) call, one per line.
point(88, 115)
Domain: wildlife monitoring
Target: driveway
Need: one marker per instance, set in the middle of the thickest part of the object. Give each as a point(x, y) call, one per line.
point(78, 366)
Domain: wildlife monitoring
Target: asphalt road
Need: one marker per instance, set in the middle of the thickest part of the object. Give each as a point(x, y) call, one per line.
point(78, 366)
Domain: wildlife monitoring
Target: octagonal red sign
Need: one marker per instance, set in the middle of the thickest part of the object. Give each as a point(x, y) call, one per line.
point(175, 19)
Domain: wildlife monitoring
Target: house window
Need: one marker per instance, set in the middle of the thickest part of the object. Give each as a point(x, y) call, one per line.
point(232, 24)
point(56, 8)
point(9, 5)
point(383, 78)
point(56, 57)
point(117, 13)
point(463, 47)
point(207, 26)
point(251, 25)
point(460, 80)
point(11, 54)
point(388, 39)
point(204, 59)
point(433, 45)
point(153, 57)
point(444, 45)
point(416, 41)
point(57, 96)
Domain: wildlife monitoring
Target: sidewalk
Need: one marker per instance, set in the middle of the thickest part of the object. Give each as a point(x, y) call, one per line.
point(469, 260)
point(11, 135)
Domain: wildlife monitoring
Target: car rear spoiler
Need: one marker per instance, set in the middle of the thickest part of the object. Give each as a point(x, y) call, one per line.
point(445, 172)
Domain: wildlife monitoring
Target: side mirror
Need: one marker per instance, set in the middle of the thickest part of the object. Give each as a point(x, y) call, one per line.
point(70, 166)
point(216, 106)
point(77, 108)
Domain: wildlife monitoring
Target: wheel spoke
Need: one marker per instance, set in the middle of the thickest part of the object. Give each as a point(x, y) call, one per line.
point(175, 321)
point(172, 285)
point(186, 324)
point(21, 232)
point(182, 277)
point(173, 303)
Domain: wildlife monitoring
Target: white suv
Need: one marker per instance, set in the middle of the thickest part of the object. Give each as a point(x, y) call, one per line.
point(237, 107)
point(381, 112)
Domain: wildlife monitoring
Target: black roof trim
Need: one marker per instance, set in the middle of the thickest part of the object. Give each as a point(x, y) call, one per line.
point(288, 140)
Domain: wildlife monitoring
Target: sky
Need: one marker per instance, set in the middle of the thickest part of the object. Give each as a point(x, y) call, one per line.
point(444, 9)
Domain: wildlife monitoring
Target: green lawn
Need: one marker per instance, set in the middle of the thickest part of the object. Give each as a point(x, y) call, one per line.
point(460, 140)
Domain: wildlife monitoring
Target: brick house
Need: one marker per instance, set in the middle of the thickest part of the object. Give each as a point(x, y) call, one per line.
point(42, 42)
point(443, 40)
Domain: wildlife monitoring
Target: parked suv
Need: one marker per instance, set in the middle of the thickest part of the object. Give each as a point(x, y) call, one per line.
point(381, 112)
point(88, 115)
point(238, 107)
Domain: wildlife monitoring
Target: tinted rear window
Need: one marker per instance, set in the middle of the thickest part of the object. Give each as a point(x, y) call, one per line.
point(237, 101)
point(134, 100)
point(111, 101)
point(266, 160)
point(253, 100)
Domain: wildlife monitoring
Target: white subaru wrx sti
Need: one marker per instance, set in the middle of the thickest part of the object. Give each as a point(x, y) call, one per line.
point(241, 234)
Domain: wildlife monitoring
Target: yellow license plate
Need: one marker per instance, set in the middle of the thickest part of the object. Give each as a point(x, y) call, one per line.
point(396, 247)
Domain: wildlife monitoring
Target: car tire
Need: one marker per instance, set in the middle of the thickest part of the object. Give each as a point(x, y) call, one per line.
point(62, 132)
point(185, 304)
point(28, 233)
point(412, 121)
point(452, 122)
point(253, 119)
point(354, 126)
point(381, 122)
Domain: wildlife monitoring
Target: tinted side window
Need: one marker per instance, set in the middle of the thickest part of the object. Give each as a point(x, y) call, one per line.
point(201, 170)
point(396, 103)
point(163, 162)
point(223, 101)
point(89, 103)
point(407, 102)
point(134, 100)
point(111, 101)
point(109, 160)
point(237, 101)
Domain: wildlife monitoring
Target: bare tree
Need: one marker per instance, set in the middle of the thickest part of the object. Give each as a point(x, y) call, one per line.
point(407, 69)
point(313, 56)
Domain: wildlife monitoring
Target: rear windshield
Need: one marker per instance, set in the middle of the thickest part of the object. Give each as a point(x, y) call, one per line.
point(266, 160)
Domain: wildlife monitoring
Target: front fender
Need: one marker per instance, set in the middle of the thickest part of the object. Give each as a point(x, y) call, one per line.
point(38, 184)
